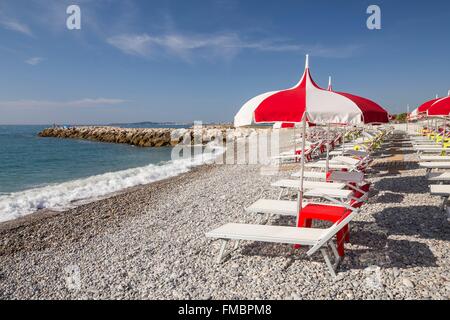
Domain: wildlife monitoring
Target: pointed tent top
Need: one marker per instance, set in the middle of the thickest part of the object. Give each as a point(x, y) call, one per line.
point(330, 87)
point(449, 93)
point(307, 62)
point(437, 96)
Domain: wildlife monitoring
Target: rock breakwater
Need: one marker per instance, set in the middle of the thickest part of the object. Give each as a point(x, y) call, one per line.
point(147, 137)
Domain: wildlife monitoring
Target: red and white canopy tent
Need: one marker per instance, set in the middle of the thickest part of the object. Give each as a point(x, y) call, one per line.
point(319, 105)
point(307, 102)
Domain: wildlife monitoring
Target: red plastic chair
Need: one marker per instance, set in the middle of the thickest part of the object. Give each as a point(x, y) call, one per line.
point(333, 213)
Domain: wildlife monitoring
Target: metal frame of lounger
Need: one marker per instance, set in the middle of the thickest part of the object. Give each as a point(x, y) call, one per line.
point(318, 239)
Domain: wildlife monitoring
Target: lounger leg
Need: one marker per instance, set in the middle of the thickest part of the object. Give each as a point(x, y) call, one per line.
point(347, 233)
point(444, 203)
point(328, 262)
point(337, 256)
point(261, 219)
point(340, 238)
point(222, 251)
point(307, 223)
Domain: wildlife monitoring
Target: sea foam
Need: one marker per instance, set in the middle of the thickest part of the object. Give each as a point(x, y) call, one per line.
point(69, 194)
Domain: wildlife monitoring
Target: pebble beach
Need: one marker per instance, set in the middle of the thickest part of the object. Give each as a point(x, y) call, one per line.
point(149, 243)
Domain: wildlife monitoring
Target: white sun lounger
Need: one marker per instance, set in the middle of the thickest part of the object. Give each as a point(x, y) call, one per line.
point(427, 146)
point(348, 160)
point(431, 150)
point(442, 190)
point(434, 158)
point(307, 184)
point(320, 175)
point(345, 176)
point(295, 184)
point(269, 206)
point(331, 165)
point(336, 176)
point(434, 165)
point(278, 207)
point(439, 176)
point(316, 239)
point(330, 194)
point(423, 143)
point(349, 152)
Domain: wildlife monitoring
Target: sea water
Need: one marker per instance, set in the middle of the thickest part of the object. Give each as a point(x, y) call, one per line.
point(50, 173)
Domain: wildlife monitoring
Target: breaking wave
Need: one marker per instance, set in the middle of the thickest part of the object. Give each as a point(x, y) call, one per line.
point(69, 194)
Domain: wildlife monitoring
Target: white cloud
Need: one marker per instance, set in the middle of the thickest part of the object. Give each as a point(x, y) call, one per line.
point(74, 103)
point(14, 25)
point(224, 46)
point(34, 61)
point(132, 44)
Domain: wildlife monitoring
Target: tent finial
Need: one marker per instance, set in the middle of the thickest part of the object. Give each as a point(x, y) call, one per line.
point(330, 87)
point(449, 93)
point(307, 62)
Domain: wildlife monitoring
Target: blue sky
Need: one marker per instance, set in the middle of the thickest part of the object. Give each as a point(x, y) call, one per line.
point(201, 60)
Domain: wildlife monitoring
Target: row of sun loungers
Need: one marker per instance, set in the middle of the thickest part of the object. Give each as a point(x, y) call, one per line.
point(435, 165)
point(335, 196)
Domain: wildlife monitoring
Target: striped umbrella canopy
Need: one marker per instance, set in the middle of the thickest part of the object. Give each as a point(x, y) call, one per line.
point(441, 107)
point(372, 112)
point(307, 98)
point(423, 108)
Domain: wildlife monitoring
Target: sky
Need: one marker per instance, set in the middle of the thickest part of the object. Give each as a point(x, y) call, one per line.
point(196, 60)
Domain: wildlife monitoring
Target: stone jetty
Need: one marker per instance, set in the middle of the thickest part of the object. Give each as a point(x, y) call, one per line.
point(147, 137)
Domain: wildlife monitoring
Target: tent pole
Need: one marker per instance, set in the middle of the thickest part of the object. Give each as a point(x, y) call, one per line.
point(444, 132)
point(328, 148)
point(436, 128)
point(343, 140)
point(302, 170)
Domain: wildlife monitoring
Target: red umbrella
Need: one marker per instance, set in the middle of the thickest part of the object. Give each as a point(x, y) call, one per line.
point(424, 107)
point(441, 107)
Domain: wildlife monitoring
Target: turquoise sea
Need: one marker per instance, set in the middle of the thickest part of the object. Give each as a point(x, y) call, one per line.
point(51, 173)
